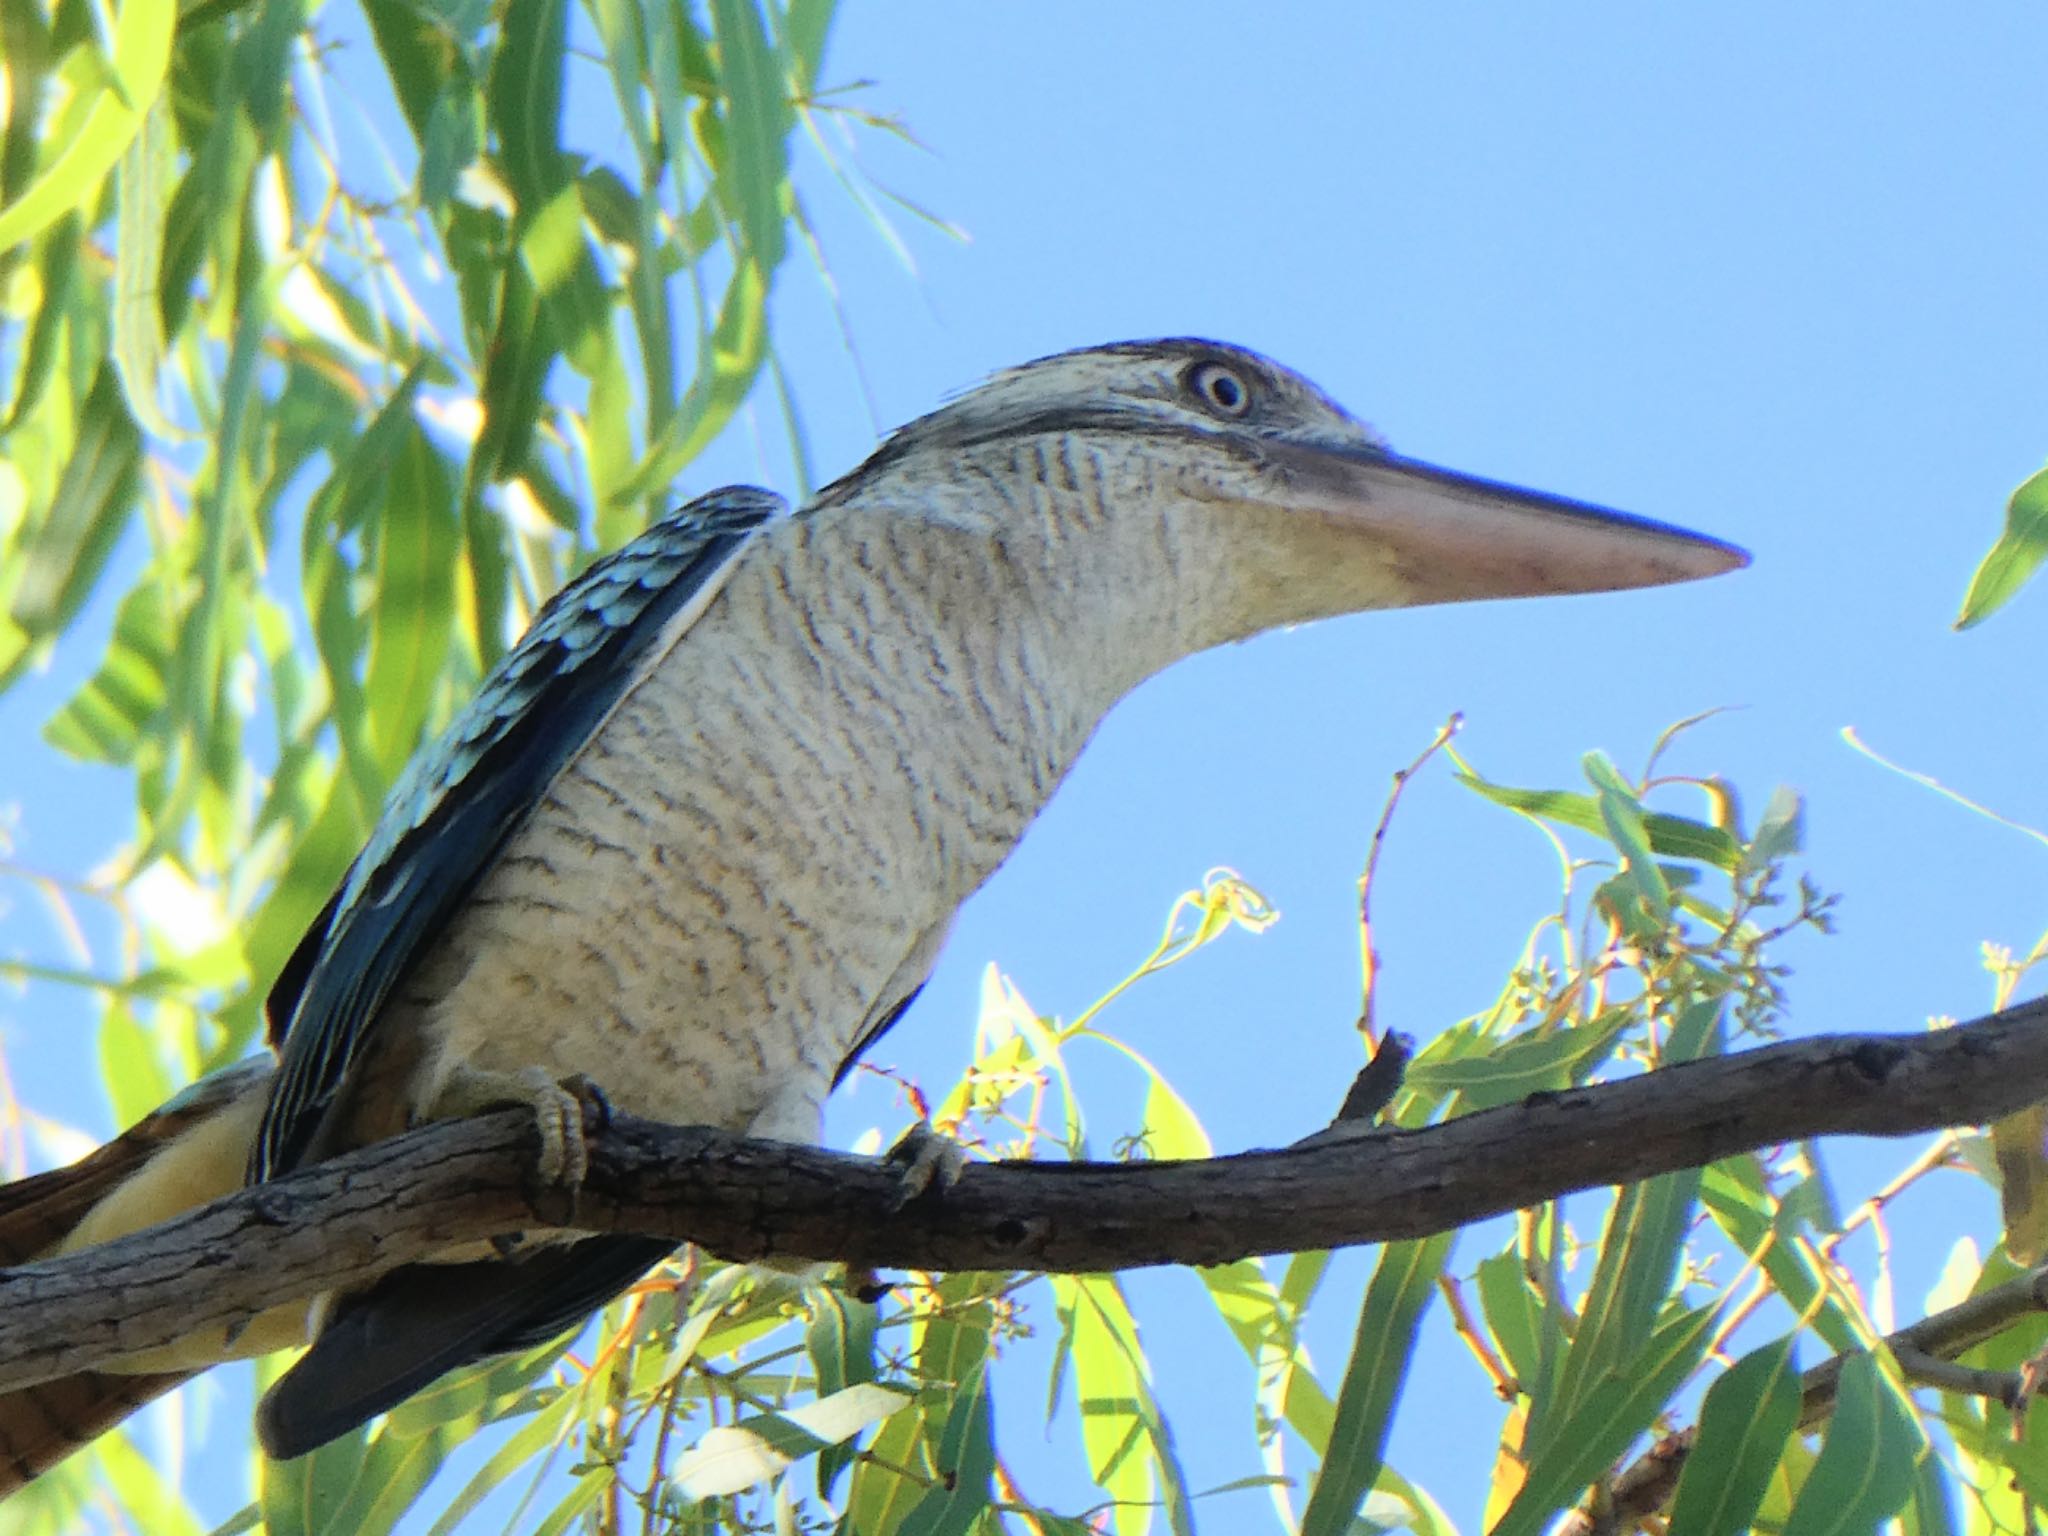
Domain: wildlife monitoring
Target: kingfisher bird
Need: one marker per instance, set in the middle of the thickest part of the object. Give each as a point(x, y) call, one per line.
point(699, 836)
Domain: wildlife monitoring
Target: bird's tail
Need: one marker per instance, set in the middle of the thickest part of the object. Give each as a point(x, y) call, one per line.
point(192, 1150)
point(381, 1345)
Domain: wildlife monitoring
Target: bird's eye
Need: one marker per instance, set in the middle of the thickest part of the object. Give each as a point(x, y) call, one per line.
point(1220, 389)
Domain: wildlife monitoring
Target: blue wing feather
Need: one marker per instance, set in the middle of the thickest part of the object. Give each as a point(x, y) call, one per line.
point(457, 801)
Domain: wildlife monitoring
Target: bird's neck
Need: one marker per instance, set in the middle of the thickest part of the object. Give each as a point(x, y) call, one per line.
point(1044, 583)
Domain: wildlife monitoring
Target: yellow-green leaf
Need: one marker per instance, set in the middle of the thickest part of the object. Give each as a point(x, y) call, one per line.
point(2015, 557)
point(116, 100)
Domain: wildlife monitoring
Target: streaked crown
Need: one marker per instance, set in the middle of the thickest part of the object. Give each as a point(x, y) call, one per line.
point(1179, 385)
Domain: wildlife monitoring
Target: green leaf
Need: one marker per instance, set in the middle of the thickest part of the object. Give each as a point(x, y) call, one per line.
point(129, 1064)
point(515, 373)
point(1931, 1510)
point(59, 261)
point(1735, 1193)
point(546, 1428)
point(1129, 1443)
point(1513, 1071)
point(260, 67)
point(247, 1518)
point(1675, 837)
point(582, 1494)
point(757, 118)
point(1401, 1288)
point(841, 1343)
point(353, 494)
point(418, 58)
point(113, 96)
point(2015, 557)
point(728, 363)
point(966, 1457)
point(1615, 1409)
point(299, 1496)
point(880, 1495)
point(148, 171)
point(1869, 1461)
point(395, 1471)
point(1632, 1279)
point(1626, 824)
point(1172, 1130)
point(1748, 1416)
point(418, 541)
point(453, 141)
point(805, 26)
point(106, 719)
point(65, 554)
point(475, 1395)
point(953, 1339)
point(2020, 1145)
point(1780, 834)
point(526, 100)
point(1516, 1317)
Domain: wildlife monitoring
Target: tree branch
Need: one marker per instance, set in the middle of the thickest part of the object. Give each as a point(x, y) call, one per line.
point(1925, 1351)
point(343, 1223)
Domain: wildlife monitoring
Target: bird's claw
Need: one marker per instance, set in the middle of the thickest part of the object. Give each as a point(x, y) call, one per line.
point(595, 1108)
point(566, 1115)
point(930, 1161)
point(558, 1114)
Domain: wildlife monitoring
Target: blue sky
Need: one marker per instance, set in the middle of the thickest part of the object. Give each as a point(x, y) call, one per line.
point(1771, 272)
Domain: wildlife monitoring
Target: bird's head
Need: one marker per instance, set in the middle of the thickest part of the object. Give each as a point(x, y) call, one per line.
point(1244, 482)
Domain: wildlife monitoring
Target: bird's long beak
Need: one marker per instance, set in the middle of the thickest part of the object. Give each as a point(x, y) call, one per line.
point(1450, 537)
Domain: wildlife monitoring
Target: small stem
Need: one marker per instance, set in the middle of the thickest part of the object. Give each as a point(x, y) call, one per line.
point(1368, 956)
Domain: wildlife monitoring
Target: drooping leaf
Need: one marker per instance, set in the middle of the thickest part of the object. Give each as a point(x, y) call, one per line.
point(95, 498)
point(146, 178)
point(1734, 1193)
point(1402, 1286)
point(526, 100)
point(1130, 1446)
point(757, 119)
point(417, 537)
point(105, 720)
point(966, 1459)
point(1868, 1461)
point(1611, 1413)
point(841, 1344)
point(112, 97)
point(1744, 1423)
point(543, 1429)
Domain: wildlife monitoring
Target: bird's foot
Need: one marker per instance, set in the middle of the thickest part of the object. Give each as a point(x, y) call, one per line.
point(566, 1114)
point(930, 1161)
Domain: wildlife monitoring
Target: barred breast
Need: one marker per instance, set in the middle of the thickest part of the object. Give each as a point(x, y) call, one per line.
point(754, 858)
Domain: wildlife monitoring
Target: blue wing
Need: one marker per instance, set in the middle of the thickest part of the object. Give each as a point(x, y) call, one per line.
point(458, 800)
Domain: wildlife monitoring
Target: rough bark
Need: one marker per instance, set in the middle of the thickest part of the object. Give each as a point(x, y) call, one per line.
point(343, 1222)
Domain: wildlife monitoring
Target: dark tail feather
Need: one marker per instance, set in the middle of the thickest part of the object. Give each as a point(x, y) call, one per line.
point(42, 1424)
point(418, 1323)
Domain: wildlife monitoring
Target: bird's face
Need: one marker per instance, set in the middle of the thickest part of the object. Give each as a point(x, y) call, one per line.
point(1271, 490)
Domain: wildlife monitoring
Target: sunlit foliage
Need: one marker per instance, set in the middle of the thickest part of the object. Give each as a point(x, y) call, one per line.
point(329, 343)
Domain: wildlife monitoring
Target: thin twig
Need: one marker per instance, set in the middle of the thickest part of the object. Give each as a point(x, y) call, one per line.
point(1368, 954)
